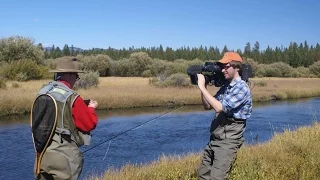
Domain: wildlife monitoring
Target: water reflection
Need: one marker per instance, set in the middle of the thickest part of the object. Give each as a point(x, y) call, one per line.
point(107, 114)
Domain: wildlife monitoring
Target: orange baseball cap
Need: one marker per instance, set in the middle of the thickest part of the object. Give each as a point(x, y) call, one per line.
point(230, 56)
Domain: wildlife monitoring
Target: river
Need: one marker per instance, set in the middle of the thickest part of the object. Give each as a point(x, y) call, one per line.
point(168, 131)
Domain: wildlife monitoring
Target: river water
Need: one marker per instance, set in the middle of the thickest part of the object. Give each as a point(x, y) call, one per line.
point(169, 131)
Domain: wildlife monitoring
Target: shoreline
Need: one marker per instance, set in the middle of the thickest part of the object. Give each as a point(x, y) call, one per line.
point(136, 92)
point(155, 106)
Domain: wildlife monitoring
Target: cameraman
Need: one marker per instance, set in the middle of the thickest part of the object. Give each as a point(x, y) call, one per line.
point(233, 105)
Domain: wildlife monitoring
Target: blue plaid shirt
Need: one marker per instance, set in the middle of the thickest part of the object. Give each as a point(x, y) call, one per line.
point(236, 99)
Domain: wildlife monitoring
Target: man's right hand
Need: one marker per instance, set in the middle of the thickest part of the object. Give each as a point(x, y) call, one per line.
point(93, 104)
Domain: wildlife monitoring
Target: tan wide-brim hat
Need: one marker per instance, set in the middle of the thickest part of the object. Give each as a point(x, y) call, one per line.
point(68, 65)
point(230, 56)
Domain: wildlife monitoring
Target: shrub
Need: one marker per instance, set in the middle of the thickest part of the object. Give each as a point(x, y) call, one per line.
point(16, 48)
point(100, 63)
point(3, 84)
point(283, 68)
point(135, 65)
point(147, 73)
point(24, 70)
point(141, 60)
point(315, 68)
point(123, 68)
point(278, 69)
point(271, 71)
point(260, 83)
point(193, 62)
point(174, 80)
point(300, 72)
point(254, 65)
point(50, 63)
point(261, 70)
point(16, 85)
point(157, 67)
point(87, 80)
point(179, 80)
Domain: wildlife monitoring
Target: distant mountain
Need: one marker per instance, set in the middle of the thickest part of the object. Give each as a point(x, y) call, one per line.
point(74, 48)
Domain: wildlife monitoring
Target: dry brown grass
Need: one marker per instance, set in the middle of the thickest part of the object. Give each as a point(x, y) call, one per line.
point(285, 88)
point(288, 155)
point(129, 92)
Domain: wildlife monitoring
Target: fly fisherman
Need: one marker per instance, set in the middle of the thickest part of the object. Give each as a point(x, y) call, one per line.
point(61, 122)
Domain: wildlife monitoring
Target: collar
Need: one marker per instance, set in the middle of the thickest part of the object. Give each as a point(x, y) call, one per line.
point(238, 79)
point(65, 83)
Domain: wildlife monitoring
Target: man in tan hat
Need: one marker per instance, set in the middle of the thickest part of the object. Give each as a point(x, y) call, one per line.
point(233, 106)
point(61, 122)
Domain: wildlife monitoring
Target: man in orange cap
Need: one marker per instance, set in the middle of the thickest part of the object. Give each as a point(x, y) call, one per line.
point(233, 106)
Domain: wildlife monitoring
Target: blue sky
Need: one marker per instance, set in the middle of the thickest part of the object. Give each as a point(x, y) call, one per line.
point(172, 23)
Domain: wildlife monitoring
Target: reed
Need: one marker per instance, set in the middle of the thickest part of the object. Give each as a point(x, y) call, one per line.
point(131, 92)
point(288, 155)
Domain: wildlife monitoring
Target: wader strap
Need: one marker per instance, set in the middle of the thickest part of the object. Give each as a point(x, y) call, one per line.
point(66, 134)
point(63, 131)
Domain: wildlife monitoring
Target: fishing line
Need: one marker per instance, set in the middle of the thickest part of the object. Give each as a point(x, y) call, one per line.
point(150, 120)
point(106, 151)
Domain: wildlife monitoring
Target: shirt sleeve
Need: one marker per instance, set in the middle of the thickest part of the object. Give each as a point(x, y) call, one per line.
point(84, 117)
point(234, 98)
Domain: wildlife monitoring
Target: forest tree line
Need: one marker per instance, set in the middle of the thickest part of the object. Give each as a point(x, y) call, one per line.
point(295, 55)
point(21, 59)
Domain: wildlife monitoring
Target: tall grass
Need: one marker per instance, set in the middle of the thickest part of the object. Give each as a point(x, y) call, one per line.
point(288, 155)
point(130, 92)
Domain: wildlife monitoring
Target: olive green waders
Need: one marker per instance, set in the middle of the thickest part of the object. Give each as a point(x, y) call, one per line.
point(55, 137)
point(225, 140)
point(62, 160)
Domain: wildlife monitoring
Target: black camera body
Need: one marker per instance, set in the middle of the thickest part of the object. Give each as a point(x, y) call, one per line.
point(213, 74)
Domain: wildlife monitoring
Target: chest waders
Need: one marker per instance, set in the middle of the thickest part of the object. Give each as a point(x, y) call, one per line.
point(51, 118)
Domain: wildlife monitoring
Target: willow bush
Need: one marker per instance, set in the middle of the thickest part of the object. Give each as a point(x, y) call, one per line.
point(15, 48)
point(174, 80)
point(315, 68)
point(97, 63)
point(24, 70)
point(3, 84)
point(87, 80)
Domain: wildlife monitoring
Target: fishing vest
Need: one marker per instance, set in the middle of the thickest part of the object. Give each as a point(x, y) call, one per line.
point(52, 113)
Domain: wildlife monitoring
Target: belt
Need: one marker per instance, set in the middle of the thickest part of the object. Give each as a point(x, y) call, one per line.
point(237, 120)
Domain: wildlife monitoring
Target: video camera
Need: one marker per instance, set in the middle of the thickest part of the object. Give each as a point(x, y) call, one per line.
point(212, 72)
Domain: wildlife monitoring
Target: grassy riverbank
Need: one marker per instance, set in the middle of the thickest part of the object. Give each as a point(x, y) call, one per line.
point(289, 155)
point(125, 92)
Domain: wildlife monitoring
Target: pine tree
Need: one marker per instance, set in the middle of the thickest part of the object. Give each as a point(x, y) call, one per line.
point(256, 51)
point(58, 52)
point(53, 52)
point(247, 50)
point(66, 51)
point(72, 52)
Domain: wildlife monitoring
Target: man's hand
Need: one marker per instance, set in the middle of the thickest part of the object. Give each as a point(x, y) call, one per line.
point(93, 104)
point(201, 81)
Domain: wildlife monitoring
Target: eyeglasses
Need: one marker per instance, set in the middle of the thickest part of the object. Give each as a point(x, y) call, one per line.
point(226, 67)
point(77, 77)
